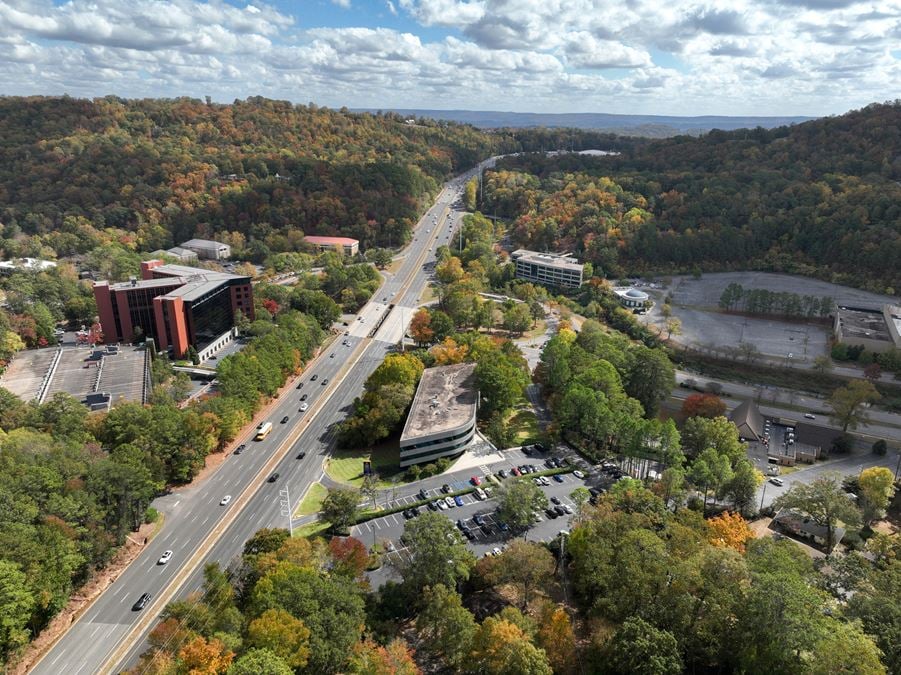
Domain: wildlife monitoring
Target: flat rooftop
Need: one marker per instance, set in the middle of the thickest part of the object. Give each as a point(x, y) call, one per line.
point(445, 399)
point(863, 323)
point(342, 241)
point(547, 259)
point(191, 282)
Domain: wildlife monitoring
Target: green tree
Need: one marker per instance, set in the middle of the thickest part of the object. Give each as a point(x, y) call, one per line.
point(518, 318)
point(876, 490)
point(260, 662)
point(16, 606)
point(437, 553)
point(445, 626)
point(331, 609)
point(742, 488)
point(824, 501)
point(339, 508)
point(848, 403)
point(517, 500)
point(651, 379)
point(875, 604)
point(845, 649)
point(501, 383)
point(637, 647)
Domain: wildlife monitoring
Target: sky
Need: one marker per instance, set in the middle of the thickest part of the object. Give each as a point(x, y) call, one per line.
point(665, 57)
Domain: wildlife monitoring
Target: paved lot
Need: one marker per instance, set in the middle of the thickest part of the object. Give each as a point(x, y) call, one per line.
point(123, 375)
point(25, 373)
point(390, 528)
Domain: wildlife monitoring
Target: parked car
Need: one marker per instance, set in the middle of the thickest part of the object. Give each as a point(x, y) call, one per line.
point(141, 603)
point(545, 481)
point(480, 494)
point(550, 512)
point(445, 488)
point(560, 511)
point(442, 504)
point(451, 503)
point(810, 416)
point(475, 480)
point(478, 519)
point(461, 525)
point(423, 494)
point(557, 477)
point(777, 481)
point(167, 555)
point(433, 506)
point(458, 500)
point(578, 474)
point(567, 508)
point(515, 471)
point(502, 474)
point(555, 500)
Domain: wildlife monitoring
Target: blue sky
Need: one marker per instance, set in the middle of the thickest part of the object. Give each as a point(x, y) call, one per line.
point(682, 57)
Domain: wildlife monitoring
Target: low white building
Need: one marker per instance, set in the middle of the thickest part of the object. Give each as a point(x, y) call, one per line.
point(26, 265)
point(548, 269)
point(631, 297)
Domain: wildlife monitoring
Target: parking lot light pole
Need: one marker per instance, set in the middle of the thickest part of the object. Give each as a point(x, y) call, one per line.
point(763, 494)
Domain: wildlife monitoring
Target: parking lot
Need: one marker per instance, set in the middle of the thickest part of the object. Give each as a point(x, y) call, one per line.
point(485, 538)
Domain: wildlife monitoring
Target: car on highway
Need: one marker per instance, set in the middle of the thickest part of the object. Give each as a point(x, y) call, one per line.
point(324, 382)
point(332, 355)
point(458, 500)
point(225, 500)
point(810, 416)
point(303, 398)
point(300, 385)
point(301, 454)
point(777, 481)
point(141, 603)
point(167, 555)
point(303, 407)
point(240, 448)
point(314, 378)
point(274, 477)
point(285, 419)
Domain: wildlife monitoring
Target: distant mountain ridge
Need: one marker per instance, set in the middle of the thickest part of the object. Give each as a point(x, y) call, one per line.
point(654, 126)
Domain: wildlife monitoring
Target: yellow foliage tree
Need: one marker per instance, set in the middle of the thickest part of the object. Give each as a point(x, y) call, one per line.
point(729, 530)
point(449, 353)
point(202, 657)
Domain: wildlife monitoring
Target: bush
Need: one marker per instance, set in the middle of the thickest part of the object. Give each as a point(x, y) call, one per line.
point(880, 447)
point(151, 515)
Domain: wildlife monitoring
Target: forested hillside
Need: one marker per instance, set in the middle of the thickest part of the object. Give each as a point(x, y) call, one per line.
point(821, 198)
point(252, 172)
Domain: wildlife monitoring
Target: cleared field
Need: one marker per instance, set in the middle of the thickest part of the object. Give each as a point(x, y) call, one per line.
point(696, 302)
point(706, 291)
point(346, 466)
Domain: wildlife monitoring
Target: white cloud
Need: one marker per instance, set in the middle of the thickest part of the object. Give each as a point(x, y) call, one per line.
point(682, 56)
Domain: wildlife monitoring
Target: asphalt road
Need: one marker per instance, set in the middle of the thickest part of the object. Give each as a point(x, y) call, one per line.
point(194, 516)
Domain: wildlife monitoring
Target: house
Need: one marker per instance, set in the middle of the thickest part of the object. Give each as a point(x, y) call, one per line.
point(800, 525)
point(749, 421)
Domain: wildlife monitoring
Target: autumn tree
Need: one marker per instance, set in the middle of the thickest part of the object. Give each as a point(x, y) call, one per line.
point(283, 635)
point(729, 530)
point(421, 327)
point(260, 662)
point(555, 636)
point(371, 658)
point(349, 556)
point(501, 647)
point(205, 657)
point(527, 565)
point(703, 405)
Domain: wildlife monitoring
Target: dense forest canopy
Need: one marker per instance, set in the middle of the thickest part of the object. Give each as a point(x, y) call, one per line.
point(166, 170)
point(821, 198)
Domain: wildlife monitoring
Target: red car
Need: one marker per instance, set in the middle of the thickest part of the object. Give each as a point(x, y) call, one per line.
point(515, 471)
point(475, 480)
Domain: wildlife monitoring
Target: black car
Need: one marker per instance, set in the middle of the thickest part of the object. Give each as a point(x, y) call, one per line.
point(274, 477)
point(468, 534)
point(141, 603)
point(285, 419)
point(540, 447)
point(408, 513)
point(560, 510)
point(325, 382)
point(303, 398)
point(314, 378)
point(301, 455)
point(300, 385)
point(461, 525)
point(549, 463)
point(502, 474)
point(555, 500)
point(526, 450)
point(478, 519)
point(240, 449)
point(423, 494)
point(445, 488)
point(551, 513)
point(433, 506)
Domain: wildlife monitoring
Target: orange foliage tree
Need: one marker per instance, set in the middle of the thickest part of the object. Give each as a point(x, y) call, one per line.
point(421, 328)
point(202, 657)
point(729, 530)
point(703, 405)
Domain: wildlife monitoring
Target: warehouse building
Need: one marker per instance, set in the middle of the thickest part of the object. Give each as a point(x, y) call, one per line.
point(208, 250)
point(177, 306)
point(549, 269)
point(876, 330)
point(442, 418)
point(344, 245)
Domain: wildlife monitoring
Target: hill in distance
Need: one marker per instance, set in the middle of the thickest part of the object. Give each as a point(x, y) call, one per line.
point(651, 126)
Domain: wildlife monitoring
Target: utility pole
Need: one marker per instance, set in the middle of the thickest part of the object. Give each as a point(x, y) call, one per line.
point(763, 494)
point(285, 503)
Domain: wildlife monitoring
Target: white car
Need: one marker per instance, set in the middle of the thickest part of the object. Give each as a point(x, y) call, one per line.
point(480, 493)
point(496, 551)
point(303, 407)
point(167, 555)
point(567, 508)
point(810, 416)
point(578, 474)
point(777, 482)
point(545, 481)
point(225, 500)
point(442, 505)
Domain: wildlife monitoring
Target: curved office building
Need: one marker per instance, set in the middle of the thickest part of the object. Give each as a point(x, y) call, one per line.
point(442, 418)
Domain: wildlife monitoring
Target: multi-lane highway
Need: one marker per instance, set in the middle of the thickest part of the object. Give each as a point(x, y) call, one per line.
point(198, 529)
